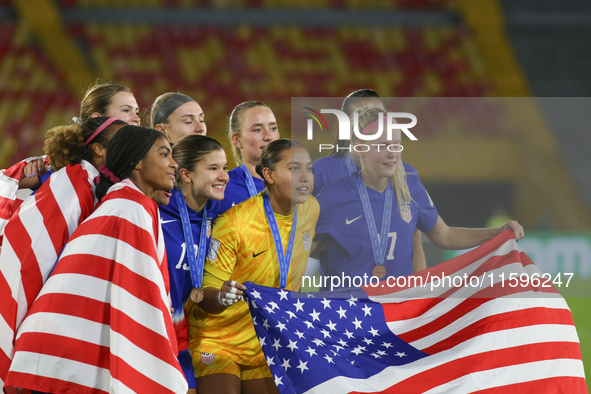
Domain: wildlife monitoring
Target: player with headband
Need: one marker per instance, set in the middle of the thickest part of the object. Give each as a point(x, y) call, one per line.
point(226, 353)
point(177, 115)
point(102, 322)
point(368, 219)
point(100, 100)
point(111, 100)
point(251, 127)
point(37, 232)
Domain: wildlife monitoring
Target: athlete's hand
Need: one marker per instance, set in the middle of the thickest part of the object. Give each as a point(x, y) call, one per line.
point(515, 226)
point(35, 167)
point(231, 292)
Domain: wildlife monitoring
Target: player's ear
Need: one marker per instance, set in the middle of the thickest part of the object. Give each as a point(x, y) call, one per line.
point(161, 129)
point(268, 175)
point(184, 173)
point(236, 140)
point(98, 150)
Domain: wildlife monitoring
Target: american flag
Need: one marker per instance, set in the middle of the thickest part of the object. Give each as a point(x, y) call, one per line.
point(102, 322)
point(34, 238)
point(9, 183)
point(481, 336)
point(9, 179)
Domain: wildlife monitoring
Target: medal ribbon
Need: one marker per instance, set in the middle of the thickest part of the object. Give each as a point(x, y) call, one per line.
point(351, 165)
point(284, 259)
point(252, 189)
point(378, 244)
point(195, 263)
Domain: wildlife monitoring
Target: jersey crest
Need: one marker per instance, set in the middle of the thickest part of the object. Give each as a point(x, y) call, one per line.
point(207, 358)
point(208, 231)
point(406, 213)
point(306, 241)
point(214, 246)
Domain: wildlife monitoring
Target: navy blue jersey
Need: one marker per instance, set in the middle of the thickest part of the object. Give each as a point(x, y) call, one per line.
point(178, 261)
point(236, 189)
point(342, 227)
point(328, 170)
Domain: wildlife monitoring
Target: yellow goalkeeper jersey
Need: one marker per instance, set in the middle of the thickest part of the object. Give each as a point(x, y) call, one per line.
point(242, 249)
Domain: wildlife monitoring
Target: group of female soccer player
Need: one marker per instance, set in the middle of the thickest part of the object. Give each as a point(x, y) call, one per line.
point(177, 268)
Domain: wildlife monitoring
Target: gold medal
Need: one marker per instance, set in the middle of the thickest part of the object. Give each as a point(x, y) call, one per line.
point(196, 295)
point(379, 271)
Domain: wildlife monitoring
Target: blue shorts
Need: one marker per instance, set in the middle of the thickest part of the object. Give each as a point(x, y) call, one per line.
point(187, 366)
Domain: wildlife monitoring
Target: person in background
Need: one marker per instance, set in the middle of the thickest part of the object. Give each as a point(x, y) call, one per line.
point(252, 126)
point(177, 115)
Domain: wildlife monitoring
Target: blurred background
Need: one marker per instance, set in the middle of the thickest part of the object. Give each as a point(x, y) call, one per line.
point(223, 52)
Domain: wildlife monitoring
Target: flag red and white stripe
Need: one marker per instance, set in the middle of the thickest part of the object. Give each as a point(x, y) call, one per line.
point(9, 179)
point(480, 338)
point(34, 238)
point(102, 321)
point(9, 182)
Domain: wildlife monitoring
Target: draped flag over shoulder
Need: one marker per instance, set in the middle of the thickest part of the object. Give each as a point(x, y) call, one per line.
point(102, 321)
point(9, 180)
point(33, 240)
point(481, 336)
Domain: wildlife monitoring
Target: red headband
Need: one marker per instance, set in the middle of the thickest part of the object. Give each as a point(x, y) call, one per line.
point(105, 124)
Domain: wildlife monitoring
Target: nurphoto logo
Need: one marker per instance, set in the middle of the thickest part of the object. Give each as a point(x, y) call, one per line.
point(345, 128)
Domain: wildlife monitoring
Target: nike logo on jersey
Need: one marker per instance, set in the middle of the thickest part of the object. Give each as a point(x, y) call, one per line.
point(167, 221)
point(352, 220)
point(255, 255)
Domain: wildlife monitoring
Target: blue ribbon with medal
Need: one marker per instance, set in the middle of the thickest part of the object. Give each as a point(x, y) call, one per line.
point(195, 263)
point(378, 243)
point(252, 189)
point(351, 165)
point(284, 259)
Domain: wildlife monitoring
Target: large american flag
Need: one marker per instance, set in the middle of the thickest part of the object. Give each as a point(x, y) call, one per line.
point(446, 339)
point(33, 240)
point(102, 322)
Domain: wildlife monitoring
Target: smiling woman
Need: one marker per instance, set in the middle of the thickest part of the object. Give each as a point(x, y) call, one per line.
point(391, 203)
point(186, 223)
point(144, 156)
point(112, 100)
point(103, 318)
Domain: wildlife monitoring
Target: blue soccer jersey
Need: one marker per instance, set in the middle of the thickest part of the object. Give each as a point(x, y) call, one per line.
point(342, 227)
point(236, 189)
point(328, 170)
point(178, 261)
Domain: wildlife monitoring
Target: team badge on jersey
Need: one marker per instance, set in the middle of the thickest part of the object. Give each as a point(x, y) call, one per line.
point(207, 358)
point(405, 213)
point(214, 246)
point(208, 232)
point(307, 241)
